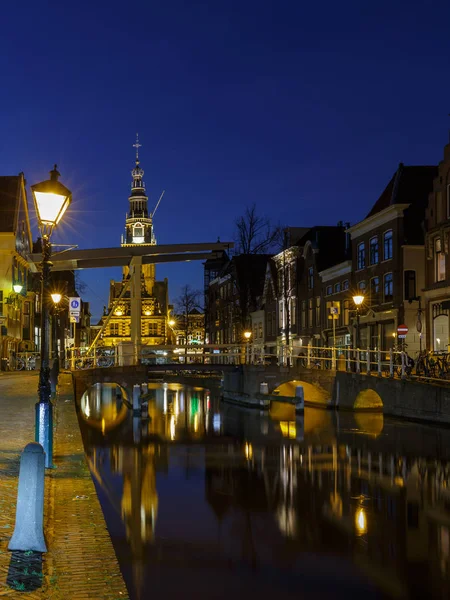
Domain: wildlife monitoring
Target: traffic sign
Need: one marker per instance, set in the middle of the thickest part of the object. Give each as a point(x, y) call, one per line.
point(74, 305)
point(401, 337)
point(74, 318)
point(402, 330)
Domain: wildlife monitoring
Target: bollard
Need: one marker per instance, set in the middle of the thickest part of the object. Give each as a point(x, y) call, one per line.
point(144, 388)
point(28, 531)
point(144, 410)
point(263, 388)
point(136, 399)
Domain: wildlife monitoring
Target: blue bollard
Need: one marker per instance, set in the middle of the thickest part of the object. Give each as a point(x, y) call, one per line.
point(28, 531)
point(44, 430)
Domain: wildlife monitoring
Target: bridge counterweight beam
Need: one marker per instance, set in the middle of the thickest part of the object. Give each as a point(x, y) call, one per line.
point(135, 305)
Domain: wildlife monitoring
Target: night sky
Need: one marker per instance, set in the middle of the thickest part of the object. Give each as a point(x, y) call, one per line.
point(305, 108)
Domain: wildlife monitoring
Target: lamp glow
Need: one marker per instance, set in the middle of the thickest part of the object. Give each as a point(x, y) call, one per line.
point(358, 300)
point(361, 521)
point(17, 287)
point(171, 322)
point(56, 298)
point(119, 312)
point(247, 335)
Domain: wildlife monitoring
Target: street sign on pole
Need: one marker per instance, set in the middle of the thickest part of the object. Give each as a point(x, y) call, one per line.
point(402, 330)
point(74, 318)
point(74, 305)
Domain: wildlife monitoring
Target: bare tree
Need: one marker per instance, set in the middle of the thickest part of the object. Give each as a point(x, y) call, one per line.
point(188, 300)
point(254, 233)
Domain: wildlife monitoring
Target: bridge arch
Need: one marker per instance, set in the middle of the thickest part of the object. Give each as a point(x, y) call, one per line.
point(102, 406)
point(313, 394)
point(368, 399)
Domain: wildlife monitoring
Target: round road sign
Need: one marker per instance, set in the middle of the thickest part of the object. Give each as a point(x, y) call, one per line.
point(402, 330)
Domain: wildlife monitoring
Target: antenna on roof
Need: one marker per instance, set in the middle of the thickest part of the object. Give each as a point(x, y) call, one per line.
point(157, 204)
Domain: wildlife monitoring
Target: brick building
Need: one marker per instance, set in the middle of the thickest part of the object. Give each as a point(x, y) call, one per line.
point(388, 257)
point(436, 293)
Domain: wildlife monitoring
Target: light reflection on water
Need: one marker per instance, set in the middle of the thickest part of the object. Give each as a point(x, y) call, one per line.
point(221, 501)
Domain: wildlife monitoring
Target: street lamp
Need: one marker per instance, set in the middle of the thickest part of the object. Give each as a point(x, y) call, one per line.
point(51, 200)
point(17, 287)
point(358, 300)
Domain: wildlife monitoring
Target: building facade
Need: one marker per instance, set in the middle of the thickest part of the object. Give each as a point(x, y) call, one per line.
point(436, 291)
point(388, 255)
point(17, 298)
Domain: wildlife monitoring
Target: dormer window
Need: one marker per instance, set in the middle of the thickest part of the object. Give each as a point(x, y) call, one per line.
point(138, 233)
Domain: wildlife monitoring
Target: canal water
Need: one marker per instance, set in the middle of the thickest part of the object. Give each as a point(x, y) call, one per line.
point(204, 499)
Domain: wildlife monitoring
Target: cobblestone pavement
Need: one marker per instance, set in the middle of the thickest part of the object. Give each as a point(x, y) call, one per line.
point(80, 562)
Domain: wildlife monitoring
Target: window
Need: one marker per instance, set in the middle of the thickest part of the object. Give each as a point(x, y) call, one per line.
point(138, 234)
point(37, 337)
point(310, 312)
point(388, 287)
point(448, 201)
point(361, 255)
point(387, 244)
point(293, 310)
point(152, 328)
point(374, 287)
point(281, 313)
point(310, 278)
point(26, 334)
point(303, 314)
point(269, 323)
point(329, 290)
point(439, 260)
point(114, 329)
point(410, 285)
point(318, 311)
point(345, 285)
point(373, 244)
point(337, 288)
point(346, 313)
point(362, 286)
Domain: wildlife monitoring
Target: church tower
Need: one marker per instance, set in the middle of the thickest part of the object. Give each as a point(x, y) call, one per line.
point(139, 221)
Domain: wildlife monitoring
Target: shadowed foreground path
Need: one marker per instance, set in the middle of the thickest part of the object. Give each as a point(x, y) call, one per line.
point(80, 562)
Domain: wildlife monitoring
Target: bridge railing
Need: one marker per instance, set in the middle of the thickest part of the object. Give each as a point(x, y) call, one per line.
point(127, 354)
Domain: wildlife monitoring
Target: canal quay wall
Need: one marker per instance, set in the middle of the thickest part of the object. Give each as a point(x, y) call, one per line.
point(403, 398)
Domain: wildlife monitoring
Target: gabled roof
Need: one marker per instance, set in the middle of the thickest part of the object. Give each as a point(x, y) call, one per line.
point(407, 185)
point(9, 194)
point(328, 242)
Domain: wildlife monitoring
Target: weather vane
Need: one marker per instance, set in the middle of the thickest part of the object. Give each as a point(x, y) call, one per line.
point(137, 145)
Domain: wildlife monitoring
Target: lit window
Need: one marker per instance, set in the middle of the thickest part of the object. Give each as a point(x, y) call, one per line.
point(387, 241)
point(388, 287)
point(361, 255)
point(373, 245)
point(439, 260)
point(138, 233)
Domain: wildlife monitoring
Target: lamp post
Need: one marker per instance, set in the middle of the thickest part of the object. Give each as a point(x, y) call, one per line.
point(247, 336)
point(358, 300)
point(51, 200)
point(56, 297)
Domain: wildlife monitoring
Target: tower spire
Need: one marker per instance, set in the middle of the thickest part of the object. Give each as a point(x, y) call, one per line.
point(137, 145)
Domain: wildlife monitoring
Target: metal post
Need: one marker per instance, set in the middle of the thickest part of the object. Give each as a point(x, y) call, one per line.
point(403, 355)
point(391, 363)
point(358, 364)
point(308, 356)
point(379, 363)
point(368, 361)
point(333, 358)
point(44, 408)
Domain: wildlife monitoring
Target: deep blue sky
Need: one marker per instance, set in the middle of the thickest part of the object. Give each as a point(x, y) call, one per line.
point(305, 108)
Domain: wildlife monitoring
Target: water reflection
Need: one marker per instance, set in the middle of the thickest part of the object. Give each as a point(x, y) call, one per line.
point(204, 492)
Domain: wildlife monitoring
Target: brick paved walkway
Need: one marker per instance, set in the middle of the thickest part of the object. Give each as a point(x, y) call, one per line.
point(80, 563)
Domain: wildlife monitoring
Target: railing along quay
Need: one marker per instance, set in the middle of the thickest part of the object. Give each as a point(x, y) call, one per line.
point(427, 366)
